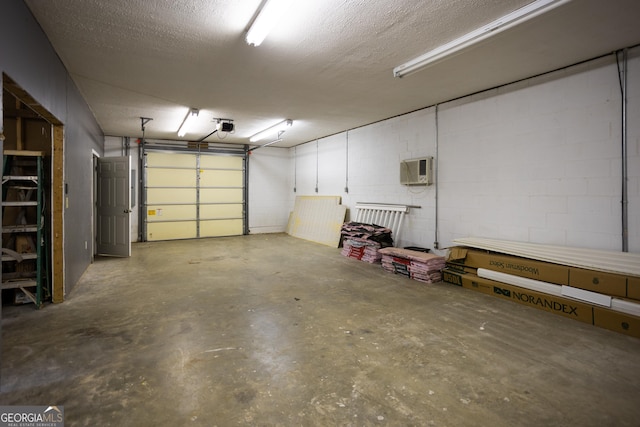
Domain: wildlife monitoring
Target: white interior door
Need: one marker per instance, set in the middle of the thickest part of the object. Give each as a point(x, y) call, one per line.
point(114, 206)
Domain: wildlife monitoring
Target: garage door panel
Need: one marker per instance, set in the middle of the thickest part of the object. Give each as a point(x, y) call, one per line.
point(172, 160)
point(158, 196)
point(171, 178)
point(171, 230)
point(221, 162)
point(221, 195)
point(220, 178)
point(157, 213)
point(220, 211)
point(216, 228)
point(192, 195)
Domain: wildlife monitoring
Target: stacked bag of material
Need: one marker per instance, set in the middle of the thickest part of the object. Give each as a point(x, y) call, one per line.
point(361, 250)
point(363, 241)
point(420, 266)
point(367, 232)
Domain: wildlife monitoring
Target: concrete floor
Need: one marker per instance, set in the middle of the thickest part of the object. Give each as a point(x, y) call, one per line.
point(269, 330)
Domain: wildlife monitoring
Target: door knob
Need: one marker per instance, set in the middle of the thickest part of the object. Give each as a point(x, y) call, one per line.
point(127, 211)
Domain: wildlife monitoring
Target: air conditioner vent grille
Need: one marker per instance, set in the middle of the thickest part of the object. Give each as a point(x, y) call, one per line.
point(416, 171)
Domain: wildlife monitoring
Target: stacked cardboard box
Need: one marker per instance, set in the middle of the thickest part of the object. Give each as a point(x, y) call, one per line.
point(463, 264)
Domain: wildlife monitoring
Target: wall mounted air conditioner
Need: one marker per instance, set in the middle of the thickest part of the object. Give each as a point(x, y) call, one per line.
point(416, 171)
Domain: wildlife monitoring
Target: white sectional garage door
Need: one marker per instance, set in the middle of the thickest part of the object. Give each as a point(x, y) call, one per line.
point(193, 195)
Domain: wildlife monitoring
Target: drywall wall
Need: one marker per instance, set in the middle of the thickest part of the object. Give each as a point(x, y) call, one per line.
point(269, 187)
point(535, 161)
point(29, 59)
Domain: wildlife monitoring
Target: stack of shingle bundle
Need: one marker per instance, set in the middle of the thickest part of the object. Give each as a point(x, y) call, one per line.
point(361, 250)
point(362, 241)
point(367, 233)
point(420, 266)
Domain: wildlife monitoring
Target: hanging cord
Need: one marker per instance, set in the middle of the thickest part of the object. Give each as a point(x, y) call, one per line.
point(622, 80)
point(346, 173)
point(295, 168)
point(317, 164)
point(435, 166)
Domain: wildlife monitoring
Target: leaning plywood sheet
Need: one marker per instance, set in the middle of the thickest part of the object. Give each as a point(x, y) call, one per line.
point(318, 219)
point(606, 261)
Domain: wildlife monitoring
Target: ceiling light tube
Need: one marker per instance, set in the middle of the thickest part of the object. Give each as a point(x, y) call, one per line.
point(188, 121)
point(454, 47)
point(267, 18)
point(273, 130)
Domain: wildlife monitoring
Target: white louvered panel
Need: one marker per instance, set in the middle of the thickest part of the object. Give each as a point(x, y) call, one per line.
point(389, 216)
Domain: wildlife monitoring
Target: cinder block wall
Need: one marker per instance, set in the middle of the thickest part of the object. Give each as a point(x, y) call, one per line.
point(535, 161)
point(366, 162)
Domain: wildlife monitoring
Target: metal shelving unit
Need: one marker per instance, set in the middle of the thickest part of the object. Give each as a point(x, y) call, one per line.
point(24, 236)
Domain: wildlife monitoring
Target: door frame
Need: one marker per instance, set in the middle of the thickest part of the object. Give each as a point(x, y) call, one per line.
point(99, 210)
point(95, 156)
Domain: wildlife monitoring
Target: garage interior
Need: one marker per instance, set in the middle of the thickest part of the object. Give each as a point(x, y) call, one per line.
point(179, 282)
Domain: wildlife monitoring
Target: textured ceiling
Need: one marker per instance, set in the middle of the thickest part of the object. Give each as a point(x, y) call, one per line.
point(327, 66)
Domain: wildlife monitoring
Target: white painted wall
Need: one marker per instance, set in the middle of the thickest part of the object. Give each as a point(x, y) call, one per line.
point(633, 137)
point(368, 164)
point(537, 161)
point(269, 187)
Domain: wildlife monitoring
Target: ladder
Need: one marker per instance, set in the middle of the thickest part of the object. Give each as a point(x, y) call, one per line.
point(25, 263)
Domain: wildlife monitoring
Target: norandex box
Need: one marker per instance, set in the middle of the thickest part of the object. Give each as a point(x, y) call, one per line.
point(562, 306)
point(616, 321)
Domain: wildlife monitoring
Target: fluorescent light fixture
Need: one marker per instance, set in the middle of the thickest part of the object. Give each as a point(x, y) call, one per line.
point(273, 130)
point(267, 18)
point(454, 47)
point(188, 121)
